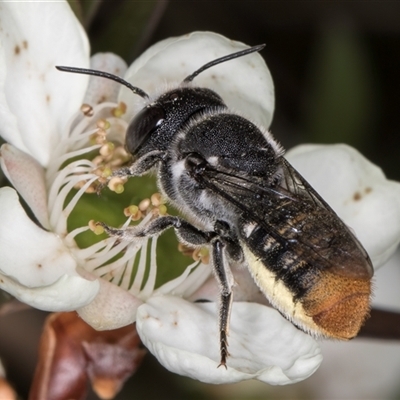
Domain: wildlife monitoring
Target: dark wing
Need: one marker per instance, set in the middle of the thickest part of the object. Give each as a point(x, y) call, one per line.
point(294, 215)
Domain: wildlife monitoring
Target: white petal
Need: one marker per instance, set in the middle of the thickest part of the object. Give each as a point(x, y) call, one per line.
point(112, 308)
point(245, 83)
point(27, 176)
point(29, 254)
point(357, 190)
point(263, 345)
point(36, 100)
point(36, 267)
point(245, 289)
point(350, 370)
point(66, 294)
point(102, 90)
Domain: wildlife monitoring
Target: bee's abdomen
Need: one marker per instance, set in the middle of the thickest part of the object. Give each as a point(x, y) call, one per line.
point(338, 305)
point(297, 281)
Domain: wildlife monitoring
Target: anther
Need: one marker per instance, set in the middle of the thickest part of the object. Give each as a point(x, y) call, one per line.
point(87, 110)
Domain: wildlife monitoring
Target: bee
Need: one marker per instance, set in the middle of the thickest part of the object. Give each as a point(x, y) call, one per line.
point(249, 205)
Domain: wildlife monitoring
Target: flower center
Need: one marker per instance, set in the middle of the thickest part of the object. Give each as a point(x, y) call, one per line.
point(88, 153)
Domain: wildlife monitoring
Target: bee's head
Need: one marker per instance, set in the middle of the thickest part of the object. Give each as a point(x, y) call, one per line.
point(154, 126)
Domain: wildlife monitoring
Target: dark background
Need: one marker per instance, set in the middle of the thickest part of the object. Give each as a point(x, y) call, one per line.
point(335, 64)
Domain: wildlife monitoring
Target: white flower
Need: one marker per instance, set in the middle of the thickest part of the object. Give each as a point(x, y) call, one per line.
point(48, 140)
point(363, 368)
point(36, 266)
point(358, 191)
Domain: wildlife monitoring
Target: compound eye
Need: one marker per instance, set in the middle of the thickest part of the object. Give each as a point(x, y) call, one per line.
point(142, 126)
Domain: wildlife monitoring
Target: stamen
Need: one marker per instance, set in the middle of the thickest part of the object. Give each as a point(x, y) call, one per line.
point(120, 271)
point(198, 254)
point(133, 212)
point(151, 280)
point(96, 254)
point(156, 199)
point(120, 157)
point(138, 281)
point(107, 149)
point(63, 176)
point(103, 124)
point(99, 137)
point(120, 110)
point(201, 254)
point(95, 227)
point(106, 172)
point(178, 285)
point(112, 258)
point(87, 110)
point(54, 167)
point(88, 123)
point(194, 281)
point(162, 209)
point(116, 184)
point(99, 262)
point(60, 224)
point(125, 271)
point(144, 205)
point(185, 250)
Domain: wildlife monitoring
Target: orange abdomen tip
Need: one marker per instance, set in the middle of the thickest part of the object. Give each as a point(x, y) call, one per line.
point(339, 305)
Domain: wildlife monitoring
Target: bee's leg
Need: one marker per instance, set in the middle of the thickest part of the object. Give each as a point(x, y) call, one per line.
point(185, 231)
point(139, 168)
point(190, 235)
point(225, 280)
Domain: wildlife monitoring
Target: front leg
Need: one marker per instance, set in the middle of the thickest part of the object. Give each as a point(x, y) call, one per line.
point(139, 167)
point(185, 231)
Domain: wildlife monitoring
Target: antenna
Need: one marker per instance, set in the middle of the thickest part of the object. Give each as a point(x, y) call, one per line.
point(220, 60)
point(102, 74)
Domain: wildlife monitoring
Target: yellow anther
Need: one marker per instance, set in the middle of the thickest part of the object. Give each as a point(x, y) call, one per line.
point(103, 124)
point(95, 227)
point(116, 184)
point(119, 111)
point(93, 139)
point(162, 209)
point(106, 172)
point(131, 210)
point(204, 255)
point(201, 254)
point(137, 216)
point(119, 188)
point(204, 252)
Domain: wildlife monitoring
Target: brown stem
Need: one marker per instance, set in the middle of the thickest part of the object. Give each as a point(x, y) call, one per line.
point(383, 324)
